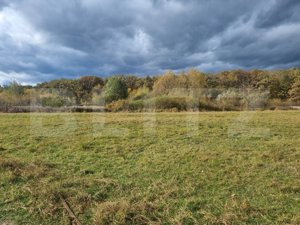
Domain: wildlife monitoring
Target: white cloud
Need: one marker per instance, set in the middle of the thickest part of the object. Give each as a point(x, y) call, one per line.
point(141, 42)
point(282, 32)
point(16, 26)
point(22, 78)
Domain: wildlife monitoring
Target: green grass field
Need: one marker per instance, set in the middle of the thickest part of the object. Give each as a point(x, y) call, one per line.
point(165, 168)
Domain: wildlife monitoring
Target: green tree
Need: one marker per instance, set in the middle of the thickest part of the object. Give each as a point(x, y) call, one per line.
point(115, 89)
point(280, 85)
point(285, 85)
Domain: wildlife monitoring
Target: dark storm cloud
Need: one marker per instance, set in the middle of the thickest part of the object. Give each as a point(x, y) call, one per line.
point(41, 40)
point(283, 12)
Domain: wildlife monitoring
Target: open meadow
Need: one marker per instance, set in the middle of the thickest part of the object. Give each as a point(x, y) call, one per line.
point(150, 168)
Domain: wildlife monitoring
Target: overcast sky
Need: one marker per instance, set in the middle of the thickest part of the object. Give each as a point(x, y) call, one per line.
point(47, 39)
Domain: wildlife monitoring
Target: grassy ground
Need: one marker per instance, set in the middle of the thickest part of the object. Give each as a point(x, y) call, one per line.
point(166, 168)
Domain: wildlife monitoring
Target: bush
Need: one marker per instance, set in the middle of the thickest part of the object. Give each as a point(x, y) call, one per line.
point(140, 93)
point(117, 106)
point(164, 103)
point(98, 99)
point(7, 100)
point(279, 104)
point(125, 105)
point(52, 102)
point(137, 105)
point(170, 103)
point(208, 106)
point(15, 89)
point(255, 100)
point(229, 100)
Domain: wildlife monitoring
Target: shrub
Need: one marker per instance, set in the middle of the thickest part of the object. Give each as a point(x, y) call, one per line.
point(140, 93)
point(213, 93)
point(279, 104)
point(229, 100)
point(15, 89)
point(3, 101)
point(137, 105)
point(255, 100)
point(52, 102)
point(170, 103)
point(117, 106)
point(115, 89)
point(159, 103)
point(98, 99)
point(208, 106)
point(7, 100)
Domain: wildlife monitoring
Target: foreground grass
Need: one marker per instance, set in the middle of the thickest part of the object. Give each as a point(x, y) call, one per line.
point(176, 168)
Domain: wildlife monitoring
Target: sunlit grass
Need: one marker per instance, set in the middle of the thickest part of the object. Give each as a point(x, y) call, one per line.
point(165, 168)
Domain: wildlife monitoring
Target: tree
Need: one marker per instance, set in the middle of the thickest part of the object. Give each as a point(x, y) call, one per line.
point(196, 79)
point(196, 82)
point(87, 83)
point(274, 88)
point(81, 89)
point(85, 87)
point(147, 82)
point(239, 79)
point(280, 84)
point(15, 89)
point(115, 89)
point(165, 84)
point(65, 88)
point(258, 79)
point(295, 90)
point(182, 81)
point(130, 81)
point(285, 85)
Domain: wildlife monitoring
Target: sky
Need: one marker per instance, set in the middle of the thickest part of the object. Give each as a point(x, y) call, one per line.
point(43, 40)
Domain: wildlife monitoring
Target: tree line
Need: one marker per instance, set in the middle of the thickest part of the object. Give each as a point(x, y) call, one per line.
point(186, 90)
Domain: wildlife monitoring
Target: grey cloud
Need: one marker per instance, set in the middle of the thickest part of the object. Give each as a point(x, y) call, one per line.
point(280, 11)
point(69, 38)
